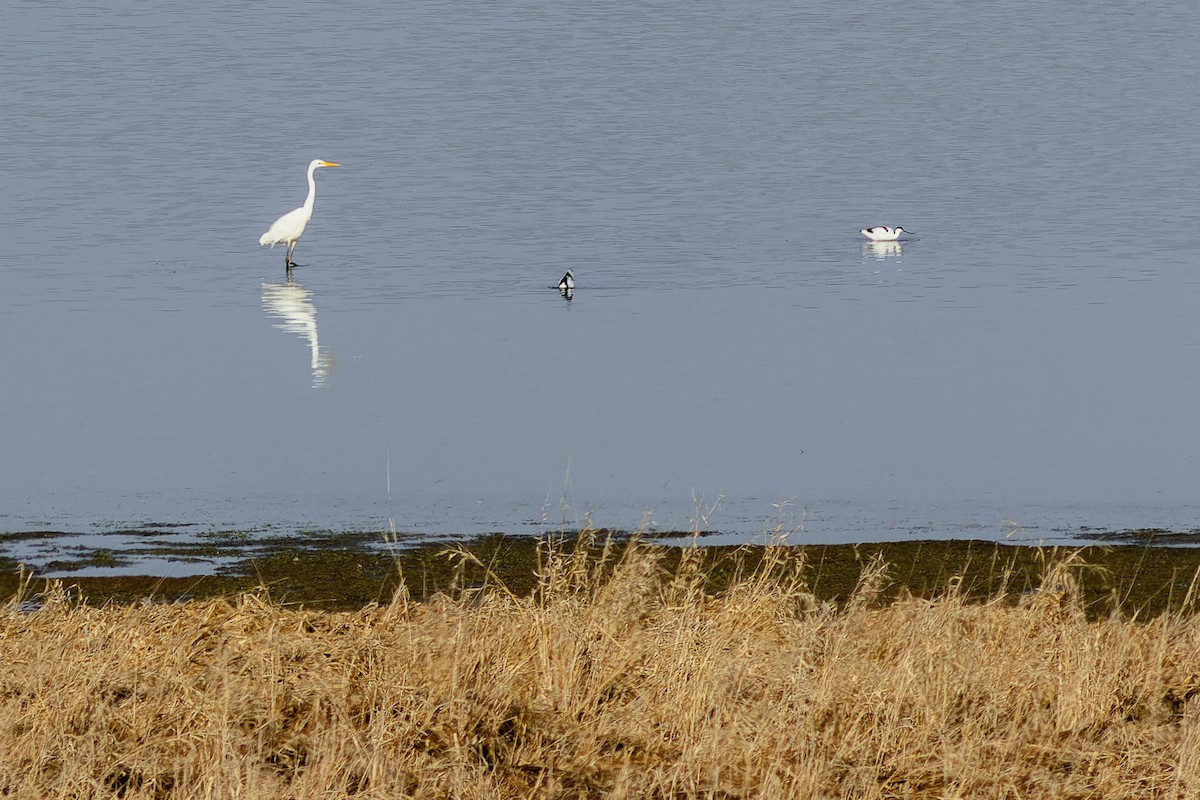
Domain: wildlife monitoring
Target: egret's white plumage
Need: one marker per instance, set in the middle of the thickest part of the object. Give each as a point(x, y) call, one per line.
point(882, 233)
point(567, 283)
point(288, 228)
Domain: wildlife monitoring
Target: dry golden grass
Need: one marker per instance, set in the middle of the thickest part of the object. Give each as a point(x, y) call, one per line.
point(612, 680)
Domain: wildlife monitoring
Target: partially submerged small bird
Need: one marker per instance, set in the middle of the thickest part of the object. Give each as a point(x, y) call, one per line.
point(567, 283)
point(288, 228)
point(882, 233)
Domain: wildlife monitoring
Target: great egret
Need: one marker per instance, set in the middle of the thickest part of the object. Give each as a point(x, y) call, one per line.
point(288, 228)
point(882, 233)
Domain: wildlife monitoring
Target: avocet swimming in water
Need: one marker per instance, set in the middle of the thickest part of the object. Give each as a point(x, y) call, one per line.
point(567, 283)
point(882, 233)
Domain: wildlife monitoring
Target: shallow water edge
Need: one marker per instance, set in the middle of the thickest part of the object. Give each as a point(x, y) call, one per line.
point(1148, 575)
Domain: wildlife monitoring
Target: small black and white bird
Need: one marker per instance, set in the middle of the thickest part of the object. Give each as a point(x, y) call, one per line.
point(882, 233)
point(567, 284)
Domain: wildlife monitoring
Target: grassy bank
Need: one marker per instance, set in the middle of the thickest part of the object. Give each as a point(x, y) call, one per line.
point(627, 673)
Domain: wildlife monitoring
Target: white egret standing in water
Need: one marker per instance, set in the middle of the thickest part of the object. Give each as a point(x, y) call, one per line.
point(288, 228)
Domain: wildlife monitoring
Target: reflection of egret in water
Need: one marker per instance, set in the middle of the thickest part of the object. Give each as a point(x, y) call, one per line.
point(292, 303)
point(881, 251)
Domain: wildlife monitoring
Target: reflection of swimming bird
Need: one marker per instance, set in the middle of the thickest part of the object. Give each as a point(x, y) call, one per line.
point(288, 228)
point(882, 233)
point(292, 303)
point(882, 250)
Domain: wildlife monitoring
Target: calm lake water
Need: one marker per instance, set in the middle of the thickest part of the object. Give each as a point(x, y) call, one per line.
point(734, 356)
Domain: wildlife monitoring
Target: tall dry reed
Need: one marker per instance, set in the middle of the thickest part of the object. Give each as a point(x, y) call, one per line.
point(612, 680)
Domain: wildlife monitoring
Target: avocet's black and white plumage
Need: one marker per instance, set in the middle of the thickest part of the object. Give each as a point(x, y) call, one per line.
point(567, 283)
point(882, 233)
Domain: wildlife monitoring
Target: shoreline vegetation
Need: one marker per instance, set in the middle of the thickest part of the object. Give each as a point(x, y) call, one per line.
point(604, 666)
point(1141, 572)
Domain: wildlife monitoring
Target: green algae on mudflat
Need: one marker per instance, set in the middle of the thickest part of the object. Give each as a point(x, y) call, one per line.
point(343, 573)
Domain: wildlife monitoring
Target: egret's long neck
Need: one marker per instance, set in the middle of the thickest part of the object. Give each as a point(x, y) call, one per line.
point(312, 188)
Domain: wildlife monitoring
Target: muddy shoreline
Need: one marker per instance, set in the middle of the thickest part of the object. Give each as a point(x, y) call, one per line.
point(1142, 573)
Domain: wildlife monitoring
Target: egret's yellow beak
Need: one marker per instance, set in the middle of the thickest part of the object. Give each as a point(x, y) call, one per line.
point(329, 164)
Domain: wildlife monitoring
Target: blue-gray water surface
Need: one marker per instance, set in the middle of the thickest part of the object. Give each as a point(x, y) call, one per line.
point(734, 357)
